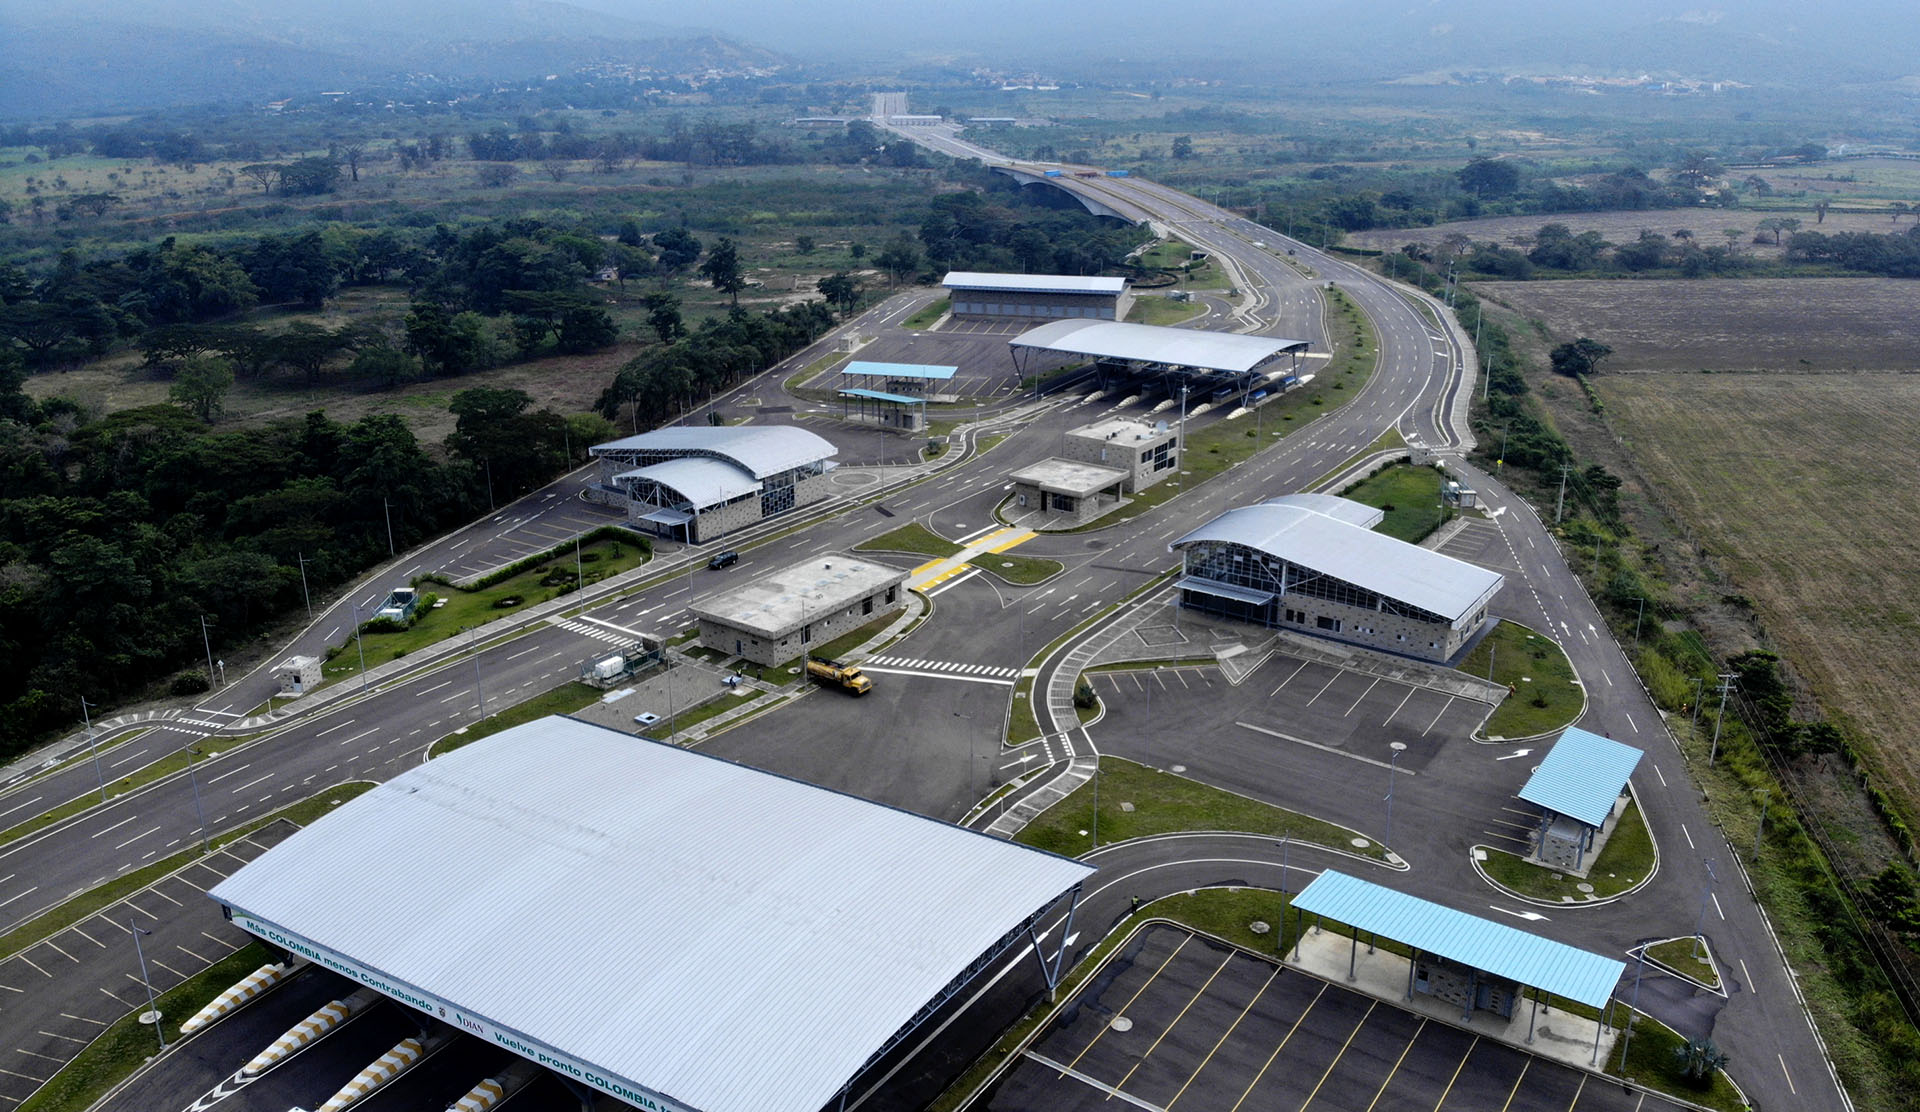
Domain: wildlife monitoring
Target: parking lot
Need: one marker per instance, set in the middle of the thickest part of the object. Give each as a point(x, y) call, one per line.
point(1178, 1020)
point(1310, 704)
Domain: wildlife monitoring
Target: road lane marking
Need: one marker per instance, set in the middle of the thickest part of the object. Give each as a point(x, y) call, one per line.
point(251, 783)
point(114, 827)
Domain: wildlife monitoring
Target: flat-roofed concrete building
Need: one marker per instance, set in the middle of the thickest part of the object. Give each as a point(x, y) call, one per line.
point(779, 616)
point(1312, 562)
point(1036, 297)
point(696, 483)
point(1066, 493)
point(1147, 453)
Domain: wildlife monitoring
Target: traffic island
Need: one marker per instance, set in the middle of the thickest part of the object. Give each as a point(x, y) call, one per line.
point(1689, 959)
point(1624, 864)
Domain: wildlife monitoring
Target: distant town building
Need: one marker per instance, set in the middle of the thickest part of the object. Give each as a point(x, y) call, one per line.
point(1039, 297)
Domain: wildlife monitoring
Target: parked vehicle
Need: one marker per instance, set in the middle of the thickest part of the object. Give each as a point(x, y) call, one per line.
point(847, 677)
point(723, 559)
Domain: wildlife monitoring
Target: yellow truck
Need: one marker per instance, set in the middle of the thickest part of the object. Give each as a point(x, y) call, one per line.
point(846, 677)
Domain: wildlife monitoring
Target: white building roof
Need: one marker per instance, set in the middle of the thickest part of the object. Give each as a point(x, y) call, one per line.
point(1033, 283)
point(662, 923)
point(1151, 343)
point(1334, 506)
point(779, 602)
point(1123, 428)
point(1453, 589)
point(762, 450)
point(1067, 476)
point(700, 480)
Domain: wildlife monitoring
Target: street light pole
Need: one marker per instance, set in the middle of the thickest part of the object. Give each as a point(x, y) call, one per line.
point(1393, 777)
point(479, 693)
point(358, 644)
point(152, 1007)
point(1726, 684)
point(198, 811)
point(304, 594)
point(1638, 618)
point(207, 643)
point(386, 511)
point(94, 749)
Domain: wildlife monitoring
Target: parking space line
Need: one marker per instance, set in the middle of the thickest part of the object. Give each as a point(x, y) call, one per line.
point(1323, 690)
point(1581, 1088)
point(1404, 1051)
point(1331, 1066)
point(1456, 1074)
point(1175, 1022)
point(1436, 718)
point(1227, 1034)
point(1363, 697)
point(1122, 1010)
point(1525, 1065)
point(1403, 702)
point(1276, 1050)
point(1288, 680)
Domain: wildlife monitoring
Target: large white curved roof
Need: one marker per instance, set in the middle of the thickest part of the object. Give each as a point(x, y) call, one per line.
point(762, 450)
point(704, 935)
point(1308, 538)
point(1151, 343)
point(701, 480)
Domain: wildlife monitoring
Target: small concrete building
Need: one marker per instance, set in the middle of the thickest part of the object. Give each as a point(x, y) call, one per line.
point(1065, 493)
point(1580, 787)
point(1312, 562)
point(1036, 297)
point(779, 616)
point(695, 483)
point(1147, 453)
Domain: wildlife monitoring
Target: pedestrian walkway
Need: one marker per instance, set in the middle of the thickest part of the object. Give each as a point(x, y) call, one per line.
point(598, 633)
point(935, 572)
point(914, 664)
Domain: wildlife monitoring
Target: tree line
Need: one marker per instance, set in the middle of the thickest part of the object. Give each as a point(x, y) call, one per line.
point(1558, 249)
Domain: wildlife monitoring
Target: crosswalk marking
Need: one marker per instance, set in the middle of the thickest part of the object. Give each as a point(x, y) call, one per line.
point(944, 666)
point(585, 630)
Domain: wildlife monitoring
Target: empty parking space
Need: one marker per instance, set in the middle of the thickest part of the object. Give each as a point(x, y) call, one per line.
point(1176, 1020)
point(1480, 542)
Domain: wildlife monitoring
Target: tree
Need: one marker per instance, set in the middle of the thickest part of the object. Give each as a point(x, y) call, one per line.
point(677, 248)
point(842, 290)
point(1579, 357)
point(352, 154)
point(899, 259)
point(383, 365)
point(1777, 225)
point(1489, 177)
point(307, 347)
point(663, 316)
point(263, 173)
point(309, 176)
point(803, 244)
point(1183, 147)
point(496, 175)
point(1698, 1059)
point(722, 268)
point(200, 386)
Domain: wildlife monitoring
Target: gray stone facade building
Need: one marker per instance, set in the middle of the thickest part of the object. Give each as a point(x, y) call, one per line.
point(694, 484)
point(784, 614)
point(1147, 453)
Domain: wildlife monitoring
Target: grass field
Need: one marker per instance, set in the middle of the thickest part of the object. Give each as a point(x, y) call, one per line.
point(1544, 698)
point(1162, 310)
point(1409, 495)
point(1623, 862)
point(1801, 489)
point(1787, 324)
point(911, 537)
point(1707, 226)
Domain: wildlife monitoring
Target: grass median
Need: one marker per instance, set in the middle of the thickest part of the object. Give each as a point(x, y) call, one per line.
point(1021, 571)
point(911, 537)
point(1543, 696)
point(1625, 861)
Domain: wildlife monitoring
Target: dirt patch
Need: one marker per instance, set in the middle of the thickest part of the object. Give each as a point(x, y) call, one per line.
point(1803, 324)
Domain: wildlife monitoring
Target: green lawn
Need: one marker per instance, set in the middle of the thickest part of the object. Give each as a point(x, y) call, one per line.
point(466, 610)
point(565, 699)
point(911, 537)
point(1624, 861)
point(1150, 309)
point(1164, 803)
point(1544, 697)
point(1024, 571)
point(1410, 496)
point(59, 918)
point(1679, 955)
point(933, 311)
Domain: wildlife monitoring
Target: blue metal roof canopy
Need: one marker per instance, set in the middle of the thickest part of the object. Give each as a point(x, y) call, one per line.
point(1581, 776)
point(900, 370)
point(1496, 948)
point(882, 396)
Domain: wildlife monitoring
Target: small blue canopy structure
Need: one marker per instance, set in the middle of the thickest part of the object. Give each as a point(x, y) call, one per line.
point(1582, 776)
point(899, 370)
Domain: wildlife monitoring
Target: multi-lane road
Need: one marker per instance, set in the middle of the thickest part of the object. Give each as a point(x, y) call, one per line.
point(376, 732)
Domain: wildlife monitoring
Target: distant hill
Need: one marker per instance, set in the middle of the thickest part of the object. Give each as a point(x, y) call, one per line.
point(92, 56)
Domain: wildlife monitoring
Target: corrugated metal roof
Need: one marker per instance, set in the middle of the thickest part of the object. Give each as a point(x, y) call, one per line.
point(701, 480)
point(1334, 506)
point(762, 449)
point(1033, 283)
point(1497, 948)
point(733, 940)
point(1150, 343)
point(1582, 775)
point(1417, 576)
point(881, 396)
point(1224, 590)
point(899, 370)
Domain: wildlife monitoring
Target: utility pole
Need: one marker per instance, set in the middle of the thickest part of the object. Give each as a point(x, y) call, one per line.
point(479, 694)
point(1726, 685)
point(1560, 504)
point(302, 557)
point(1638, 618)
point(1699, 693)
point(1760, 830)
point(208, 644)
point(94, 749)
point(386, 511)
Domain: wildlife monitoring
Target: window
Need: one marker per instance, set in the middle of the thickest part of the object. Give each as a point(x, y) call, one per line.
point(1298, 617)
point(892, 591)
point(866, 605)
point(1329, 624)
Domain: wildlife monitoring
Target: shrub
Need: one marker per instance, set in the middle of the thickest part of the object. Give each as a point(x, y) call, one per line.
point(189, 683)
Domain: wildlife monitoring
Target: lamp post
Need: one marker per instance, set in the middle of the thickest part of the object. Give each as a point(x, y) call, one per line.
point(479, 694)
point(1393, 776)
point(304, 594)
point(153, 1009)
point(198, 811)
point(207, 643)
point(386, 511)
point(358, 644)
point(94, 749)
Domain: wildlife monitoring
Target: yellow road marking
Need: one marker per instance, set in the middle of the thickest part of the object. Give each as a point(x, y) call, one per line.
point(1456, 1074)
point(1176, 1022)
point(1351, 1035)
point(1404, 1051)
point(1123, 1008)
point(1278, 1049)
point(1224, 1037)
point(1524, 1067)
point(1022, 538)
point(1576, 1093)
